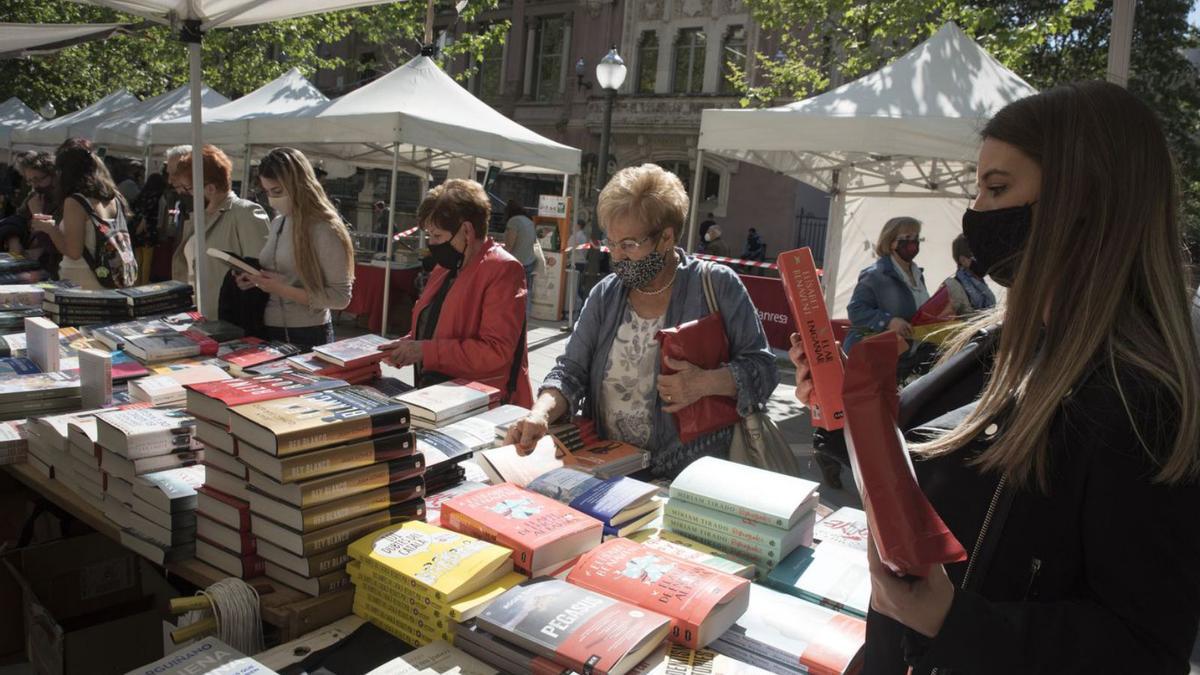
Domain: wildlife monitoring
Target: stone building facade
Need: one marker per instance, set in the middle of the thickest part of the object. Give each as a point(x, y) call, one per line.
point(676, 51)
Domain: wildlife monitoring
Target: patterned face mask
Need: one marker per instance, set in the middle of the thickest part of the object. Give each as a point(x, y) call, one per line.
point(637, 274)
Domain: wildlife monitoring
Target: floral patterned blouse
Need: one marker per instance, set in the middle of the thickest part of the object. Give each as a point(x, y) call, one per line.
point(628, 394)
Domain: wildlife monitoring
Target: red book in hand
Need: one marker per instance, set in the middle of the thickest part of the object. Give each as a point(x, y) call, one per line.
point(937, 309)
point(909, 534)
point(702, 343)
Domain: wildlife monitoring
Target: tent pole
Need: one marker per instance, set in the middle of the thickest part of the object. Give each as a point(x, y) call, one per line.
point(246, 173)
point(1119, 41)
point(387, 271)
point(833, 236)
point(566, 182)
point(192, 35)
point(695, 211)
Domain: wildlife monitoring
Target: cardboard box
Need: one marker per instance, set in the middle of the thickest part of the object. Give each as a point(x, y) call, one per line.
point(84, 610)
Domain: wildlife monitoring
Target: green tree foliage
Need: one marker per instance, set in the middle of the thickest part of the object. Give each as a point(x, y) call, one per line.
point(1047, 42)
point(151, 60)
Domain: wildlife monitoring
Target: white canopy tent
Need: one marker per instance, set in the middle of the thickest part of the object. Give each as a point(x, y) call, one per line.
point(900, 141)
point(28, 39)
point(50, 133)
point(419, 117)
point(129, 131)
point(194, 18)
point(14, 114)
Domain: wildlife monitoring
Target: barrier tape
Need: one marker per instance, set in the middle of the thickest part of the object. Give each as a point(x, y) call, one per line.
point(737, 261)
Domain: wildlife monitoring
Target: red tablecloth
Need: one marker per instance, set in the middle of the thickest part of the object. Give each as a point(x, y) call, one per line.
point(368, 292)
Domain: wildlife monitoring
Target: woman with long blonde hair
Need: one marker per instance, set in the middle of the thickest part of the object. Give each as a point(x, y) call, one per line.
point(308, 259)
point(1060, 439)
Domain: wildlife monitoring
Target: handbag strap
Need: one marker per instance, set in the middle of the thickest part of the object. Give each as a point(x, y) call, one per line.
point(710, 296)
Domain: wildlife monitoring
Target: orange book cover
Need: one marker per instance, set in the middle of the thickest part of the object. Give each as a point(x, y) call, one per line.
point(701, 602)
point(805, 296)
point(533, 526)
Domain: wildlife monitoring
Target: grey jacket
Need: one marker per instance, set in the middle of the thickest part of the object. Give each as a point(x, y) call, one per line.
point(239, 226)
point(578, 373)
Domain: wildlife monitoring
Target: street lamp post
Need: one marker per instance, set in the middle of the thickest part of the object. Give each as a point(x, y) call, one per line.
point(610, 74)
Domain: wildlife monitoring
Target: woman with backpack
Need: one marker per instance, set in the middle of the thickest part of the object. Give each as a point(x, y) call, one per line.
point(93, 235)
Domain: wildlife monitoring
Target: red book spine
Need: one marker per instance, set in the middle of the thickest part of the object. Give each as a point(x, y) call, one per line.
point(208, 346)
point(805, 296)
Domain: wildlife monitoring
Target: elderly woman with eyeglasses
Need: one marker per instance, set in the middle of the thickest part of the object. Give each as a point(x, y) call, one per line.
point(610, 369)
point(892, 289)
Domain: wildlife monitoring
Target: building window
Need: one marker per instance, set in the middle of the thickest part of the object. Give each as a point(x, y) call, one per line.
point(490, 73)
point(710, 185)
point(689, 61)
point(647, 74)
point(733, 57)
point(548, 58)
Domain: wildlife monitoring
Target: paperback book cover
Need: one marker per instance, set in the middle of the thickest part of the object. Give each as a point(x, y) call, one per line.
point(211, 400)
point(353, 352)
point(614, 501)
point(745, 491)
point(830, 575)
point(170, 491)
point(180, 345)
point(540, 532)
point(266, 352)
point(156, 292)
point(146, 432)
point(292, 425)
point(575, 627)
point(802, 286)
point(701, 602)
point(450, 399)
point(437, 564)
point(846, 526)
point(673, 543)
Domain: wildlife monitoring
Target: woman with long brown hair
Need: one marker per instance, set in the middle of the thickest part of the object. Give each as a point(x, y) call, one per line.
point(1060, 438)
point(308, 258)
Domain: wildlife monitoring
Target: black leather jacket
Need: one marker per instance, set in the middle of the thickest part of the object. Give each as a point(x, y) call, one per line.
point(1101, 574)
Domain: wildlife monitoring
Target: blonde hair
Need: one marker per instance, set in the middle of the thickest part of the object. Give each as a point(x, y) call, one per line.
point(891, 231)
point(310, 208)
point(649, 193)
point(1104, 260)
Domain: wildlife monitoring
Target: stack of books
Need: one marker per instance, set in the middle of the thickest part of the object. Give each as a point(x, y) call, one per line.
point(158, 348)
point(673, 543)
point(544, 535)
point(417, 581)
point(625, 505)
point(48, 442)
point(255, 353)
point(355, 359)
point(754, 514)
point(18, 301)
point(549, 625)
point(223, 526)
point(14, 442)
point(81, 307)
point(435, 658)
point(166, 390)
point(440, 405)
point(784, 634)
point(835, 572)
point(156, 512)
point(448, 450)
point(39, 393)
point(15, 269)
point(314, 432)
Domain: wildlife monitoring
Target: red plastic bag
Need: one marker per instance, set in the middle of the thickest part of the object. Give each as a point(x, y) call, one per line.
point(702, 343)
point(909, 535)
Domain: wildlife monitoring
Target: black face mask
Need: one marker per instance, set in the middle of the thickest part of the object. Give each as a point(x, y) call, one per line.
point(446, 255)
point(997, 238)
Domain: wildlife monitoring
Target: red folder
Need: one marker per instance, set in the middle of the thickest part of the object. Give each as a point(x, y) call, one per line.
point(909, 534)
point(704, 344)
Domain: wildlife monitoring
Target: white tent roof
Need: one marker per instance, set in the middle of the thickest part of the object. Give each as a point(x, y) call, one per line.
point(14, 114)
point(229, 123)
point(421, 107)
point(130, 130)
point(910, 129)
point(79, 123)
point(22, 39)
point(229, 13)
point(927, 105)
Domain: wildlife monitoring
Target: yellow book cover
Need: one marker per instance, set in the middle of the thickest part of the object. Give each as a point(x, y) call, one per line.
point(464, 609)
point(442, 564)
point(413, 632)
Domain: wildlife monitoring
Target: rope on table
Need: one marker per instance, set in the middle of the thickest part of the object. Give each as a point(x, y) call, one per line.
point(229, 609)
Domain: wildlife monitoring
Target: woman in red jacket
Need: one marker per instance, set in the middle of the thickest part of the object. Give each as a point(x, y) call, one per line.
point(470, 321)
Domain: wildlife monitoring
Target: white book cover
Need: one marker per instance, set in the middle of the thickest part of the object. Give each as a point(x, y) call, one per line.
point(445, 400)
point(787, 629)
point(209, 656)
point(95, 378)
point(170, 490)
point(41, 336)
point(847, 526)
point(744, 491)
point(142, 432)
point(363, 347)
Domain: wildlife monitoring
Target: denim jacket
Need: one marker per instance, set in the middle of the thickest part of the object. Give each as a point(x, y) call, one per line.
point(579, 372)
point(879, 296)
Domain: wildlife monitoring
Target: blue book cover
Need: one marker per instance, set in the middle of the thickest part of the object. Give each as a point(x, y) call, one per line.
point(18, 365)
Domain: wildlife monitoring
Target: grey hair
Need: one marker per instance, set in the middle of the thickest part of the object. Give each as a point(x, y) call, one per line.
point(38, 161)
point(177, 152)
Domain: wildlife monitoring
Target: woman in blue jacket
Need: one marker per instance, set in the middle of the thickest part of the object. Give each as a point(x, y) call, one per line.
point(889, 291)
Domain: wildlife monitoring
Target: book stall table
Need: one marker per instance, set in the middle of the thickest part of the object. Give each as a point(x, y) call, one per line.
point(291, 612)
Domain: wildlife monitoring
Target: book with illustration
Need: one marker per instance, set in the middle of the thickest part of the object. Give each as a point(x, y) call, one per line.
point(288, 426)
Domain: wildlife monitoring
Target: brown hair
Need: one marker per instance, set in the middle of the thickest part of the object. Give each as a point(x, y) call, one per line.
point(310, 208)
point(891, 232)
point(456, 201)
point(30, 160)
point(81, 171)
point(959, 248)
point(218, 169)
point(649, 193)
point(1105, 260)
